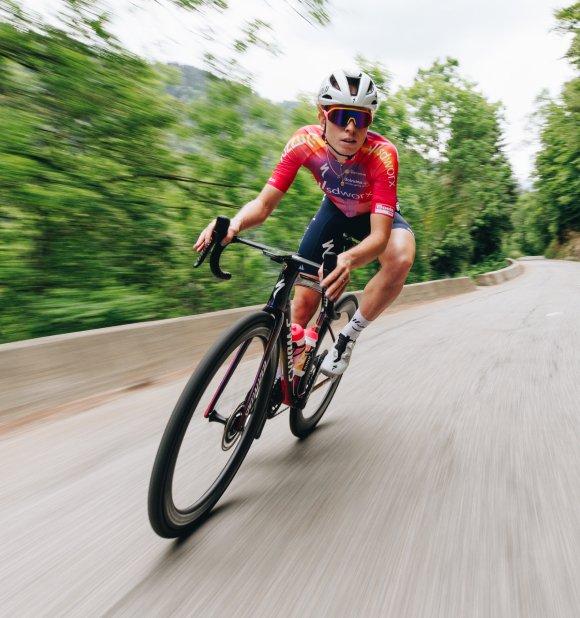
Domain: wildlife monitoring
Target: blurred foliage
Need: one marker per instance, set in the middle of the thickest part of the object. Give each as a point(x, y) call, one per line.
point(550, 214)
point(490, 264)
point(111, 166)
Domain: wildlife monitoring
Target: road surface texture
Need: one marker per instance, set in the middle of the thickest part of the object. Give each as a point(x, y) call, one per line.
point(444, 481)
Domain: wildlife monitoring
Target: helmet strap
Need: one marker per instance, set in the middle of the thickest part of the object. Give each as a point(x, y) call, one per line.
point(348, 157)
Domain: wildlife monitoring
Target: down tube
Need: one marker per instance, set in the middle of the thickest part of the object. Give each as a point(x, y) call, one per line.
point(253, 393)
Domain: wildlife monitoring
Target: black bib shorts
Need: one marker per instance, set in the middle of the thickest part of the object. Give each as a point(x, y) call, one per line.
point(328, 228)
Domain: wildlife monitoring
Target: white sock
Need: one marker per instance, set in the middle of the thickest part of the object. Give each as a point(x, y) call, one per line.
point(355, 327)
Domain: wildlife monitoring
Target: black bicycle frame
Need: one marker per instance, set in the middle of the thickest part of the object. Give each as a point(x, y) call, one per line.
point(278, 306)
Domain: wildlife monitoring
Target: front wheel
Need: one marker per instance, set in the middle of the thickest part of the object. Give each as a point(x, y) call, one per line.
point(212, 427)
point(322, 389)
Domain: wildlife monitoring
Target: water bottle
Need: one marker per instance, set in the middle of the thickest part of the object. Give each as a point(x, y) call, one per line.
point(297, 348)
point(311, 337)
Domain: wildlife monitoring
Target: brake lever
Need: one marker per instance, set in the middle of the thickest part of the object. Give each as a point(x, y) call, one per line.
point(221, 230)
point(329, 262)
point(214, 246)
point(200, 260)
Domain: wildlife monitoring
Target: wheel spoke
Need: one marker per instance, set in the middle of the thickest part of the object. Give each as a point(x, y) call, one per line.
point(331, 333)
point(190, 473)
point(320, 384)
point(233, 364)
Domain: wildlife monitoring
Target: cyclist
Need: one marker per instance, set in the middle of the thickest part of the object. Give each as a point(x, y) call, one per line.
point(357, 170)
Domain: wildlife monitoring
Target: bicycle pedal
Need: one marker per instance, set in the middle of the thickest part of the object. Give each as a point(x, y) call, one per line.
point(215, 417)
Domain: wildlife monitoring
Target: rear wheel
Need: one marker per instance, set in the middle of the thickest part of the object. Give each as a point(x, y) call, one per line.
point(211, 428)
point(322, 389)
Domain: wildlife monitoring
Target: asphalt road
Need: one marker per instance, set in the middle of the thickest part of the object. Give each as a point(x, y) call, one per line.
point(444, 481)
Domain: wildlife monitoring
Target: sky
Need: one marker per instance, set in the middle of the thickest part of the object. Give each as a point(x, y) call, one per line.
point(508, 47)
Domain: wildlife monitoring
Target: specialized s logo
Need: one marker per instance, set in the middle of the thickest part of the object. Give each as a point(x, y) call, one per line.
point(279, 285)
point(384, 209)
point(327, 246)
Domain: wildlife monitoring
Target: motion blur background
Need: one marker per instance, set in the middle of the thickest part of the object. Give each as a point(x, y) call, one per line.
point(127, 126)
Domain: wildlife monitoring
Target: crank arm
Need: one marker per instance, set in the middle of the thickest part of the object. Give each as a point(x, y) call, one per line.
point(215, 417)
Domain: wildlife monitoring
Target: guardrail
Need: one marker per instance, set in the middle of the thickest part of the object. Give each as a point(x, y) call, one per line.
point(41, 374)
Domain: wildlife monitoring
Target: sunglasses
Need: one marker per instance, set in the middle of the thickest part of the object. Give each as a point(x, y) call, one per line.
point(341, 116)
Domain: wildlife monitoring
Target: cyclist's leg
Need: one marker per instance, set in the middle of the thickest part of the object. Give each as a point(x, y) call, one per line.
point(396, 261)
point(304, 305)
point(379, 292)
point(324, 234)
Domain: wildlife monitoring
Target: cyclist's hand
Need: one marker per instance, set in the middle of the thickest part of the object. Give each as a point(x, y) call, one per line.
point(338, 279)
point(205, 237)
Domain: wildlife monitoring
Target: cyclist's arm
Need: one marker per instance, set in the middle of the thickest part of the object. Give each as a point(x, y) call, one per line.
point(250, 215)
point(373, 245)
point(258, 210)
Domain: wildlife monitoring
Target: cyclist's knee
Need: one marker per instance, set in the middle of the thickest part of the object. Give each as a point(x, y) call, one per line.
point(399, 256)
point(403, 261)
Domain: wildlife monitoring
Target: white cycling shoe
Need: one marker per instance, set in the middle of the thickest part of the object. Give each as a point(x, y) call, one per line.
point(338, 357)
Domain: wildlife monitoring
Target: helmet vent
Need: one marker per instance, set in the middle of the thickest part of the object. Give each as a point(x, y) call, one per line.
point(347, 87)
point(353, 84)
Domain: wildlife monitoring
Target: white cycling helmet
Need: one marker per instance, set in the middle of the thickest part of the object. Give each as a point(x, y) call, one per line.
point(344, 87)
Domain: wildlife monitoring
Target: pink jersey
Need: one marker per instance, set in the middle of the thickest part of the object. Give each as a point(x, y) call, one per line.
point(365, 183)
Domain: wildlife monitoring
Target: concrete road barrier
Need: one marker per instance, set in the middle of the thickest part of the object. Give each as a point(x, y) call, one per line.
point(50, 371)
point(431, 290)
point(499, 276)
point(41, 374)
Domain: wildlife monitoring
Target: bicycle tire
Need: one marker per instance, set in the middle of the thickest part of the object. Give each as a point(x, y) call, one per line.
point(166, 518)
point(303, 423)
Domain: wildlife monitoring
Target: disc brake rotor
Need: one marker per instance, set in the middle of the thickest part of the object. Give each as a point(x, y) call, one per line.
point(234, 428)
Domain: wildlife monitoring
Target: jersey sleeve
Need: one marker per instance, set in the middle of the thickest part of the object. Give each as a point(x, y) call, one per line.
point(292, 158)
point(385, 173)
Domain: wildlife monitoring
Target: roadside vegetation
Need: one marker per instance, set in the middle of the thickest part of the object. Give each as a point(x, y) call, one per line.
point(110, 167)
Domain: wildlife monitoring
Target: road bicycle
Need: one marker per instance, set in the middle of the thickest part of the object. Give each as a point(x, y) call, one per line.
point(246, 378)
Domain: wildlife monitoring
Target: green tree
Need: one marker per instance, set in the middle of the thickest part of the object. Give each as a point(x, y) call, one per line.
point(531, 235)
point(75, 117)
point(458, 179)
point(105, 180)
point(557, 183)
